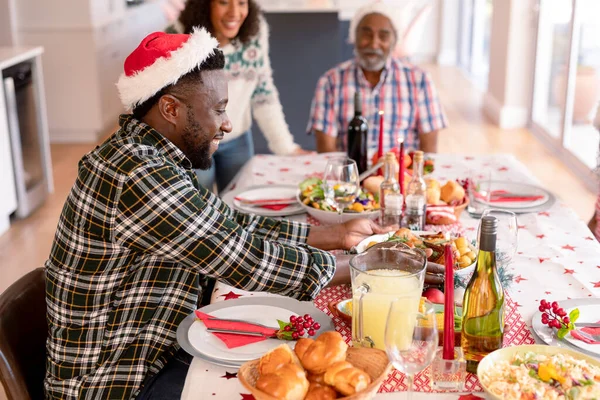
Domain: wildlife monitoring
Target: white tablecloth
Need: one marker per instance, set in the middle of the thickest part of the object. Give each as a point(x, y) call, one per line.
point(558, 257)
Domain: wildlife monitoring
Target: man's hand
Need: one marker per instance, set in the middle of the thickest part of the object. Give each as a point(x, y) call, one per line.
point(344, 236)
point(356, 230)
point(301, 152)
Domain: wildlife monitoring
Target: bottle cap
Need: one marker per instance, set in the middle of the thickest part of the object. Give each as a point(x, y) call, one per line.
point(418, 156)
point(489, 225)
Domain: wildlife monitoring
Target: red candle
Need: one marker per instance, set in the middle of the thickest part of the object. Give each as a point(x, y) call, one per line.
point(401, 167)
point(448, 342)
point(380, 150)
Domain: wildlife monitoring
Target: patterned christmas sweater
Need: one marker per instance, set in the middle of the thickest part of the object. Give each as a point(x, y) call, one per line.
point(253, 93)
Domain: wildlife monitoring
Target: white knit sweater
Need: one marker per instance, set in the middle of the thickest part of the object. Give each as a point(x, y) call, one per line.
point(252, 92)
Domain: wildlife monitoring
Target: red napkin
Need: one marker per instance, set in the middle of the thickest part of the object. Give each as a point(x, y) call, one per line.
point(275, 207)
point(232, 340)
point(515, 198)
point(586, 335)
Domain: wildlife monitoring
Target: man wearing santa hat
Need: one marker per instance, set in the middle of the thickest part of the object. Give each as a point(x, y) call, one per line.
point(137, 233)
point(404, 93)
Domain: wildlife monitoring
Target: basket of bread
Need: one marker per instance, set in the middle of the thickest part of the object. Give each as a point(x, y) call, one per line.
point(320, 369)
point(445, 203)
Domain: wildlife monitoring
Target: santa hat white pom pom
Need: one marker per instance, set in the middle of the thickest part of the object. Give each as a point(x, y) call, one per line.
point(159, 61)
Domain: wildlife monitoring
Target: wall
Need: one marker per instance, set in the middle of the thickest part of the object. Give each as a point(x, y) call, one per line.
point(512, 56)
point(7, 27)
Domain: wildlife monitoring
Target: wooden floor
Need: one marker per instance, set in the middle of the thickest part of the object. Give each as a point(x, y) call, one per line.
point(27, 244)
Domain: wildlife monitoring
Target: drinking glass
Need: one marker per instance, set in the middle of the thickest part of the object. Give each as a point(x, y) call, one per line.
point(506, 238)
point(478, 190)
point(341, 183)
point(411, 338)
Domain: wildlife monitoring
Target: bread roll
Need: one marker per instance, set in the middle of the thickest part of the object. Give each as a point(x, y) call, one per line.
point(278, 356)
point(328, 349)
point(287, 382)
point(372, 183)
point(317, 391)
point(301, 346)
point(433, 191)
point(316, 378)
point(346, 378)
point(452, 192)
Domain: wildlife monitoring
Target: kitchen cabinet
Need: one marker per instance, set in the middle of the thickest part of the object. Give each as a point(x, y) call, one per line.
point(84, 53)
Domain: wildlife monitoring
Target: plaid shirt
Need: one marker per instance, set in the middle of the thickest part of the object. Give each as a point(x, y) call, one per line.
point(134, 236)
point(405, 93)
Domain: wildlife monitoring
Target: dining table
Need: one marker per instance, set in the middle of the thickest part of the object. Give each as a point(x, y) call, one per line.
point(557, 258)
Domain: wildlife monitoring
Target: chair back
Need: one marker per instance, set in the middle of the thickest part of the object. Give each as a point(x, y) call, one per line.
point(23, 332)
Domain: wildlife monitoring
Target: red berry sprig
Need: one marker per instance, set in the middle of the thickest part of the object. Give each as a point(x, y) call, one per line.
point(556, 317)
point(298, 327)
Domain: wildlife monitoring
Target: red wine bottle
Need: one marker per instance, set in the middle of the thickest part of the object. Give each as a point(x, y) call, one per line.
point(357, 136)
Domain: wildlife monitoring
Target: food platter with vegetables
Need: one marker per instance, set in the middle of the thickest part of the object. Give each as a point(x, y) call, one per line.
point(312, 197)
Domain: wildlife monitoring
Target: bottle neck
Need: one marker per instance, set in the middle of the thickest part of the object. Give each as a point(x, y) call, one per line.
point(357, 105)
point(418, 169)
point(389, 172)
point(486, 258)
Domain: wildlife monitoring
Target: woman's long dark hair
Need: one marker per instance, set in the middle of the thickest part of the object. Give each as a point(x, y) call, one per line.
point(197, 13)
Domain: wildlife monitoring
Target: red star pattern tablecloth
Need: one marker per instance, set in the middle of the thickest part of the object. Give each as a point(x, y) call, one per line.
point(558, 258)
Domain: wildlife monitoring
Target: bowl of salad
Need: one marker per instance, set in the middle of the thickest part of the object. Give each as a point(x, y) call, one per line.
point(312, 197)
point(539, 372)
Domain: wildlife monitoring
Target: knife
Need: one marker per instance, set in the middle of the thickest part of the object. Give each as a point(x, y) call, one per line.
point(267, 202)
point(238, 332)
point(587, 325)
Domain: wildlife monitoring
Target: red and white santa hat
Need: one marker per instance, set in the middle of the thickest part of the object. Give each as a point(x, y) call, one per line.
point(159, 61)
point(383, 7)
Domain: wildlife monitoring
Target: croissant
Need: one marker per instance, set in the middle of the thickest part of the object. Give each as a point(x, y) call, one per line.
point(276, 357)
point(326, 350)
point(286, 382)
point(317, 391)
point(346, 378)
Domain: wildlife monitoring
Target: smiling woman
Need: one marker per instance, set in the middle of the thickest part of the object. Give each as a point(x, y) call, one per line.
point(242, 33)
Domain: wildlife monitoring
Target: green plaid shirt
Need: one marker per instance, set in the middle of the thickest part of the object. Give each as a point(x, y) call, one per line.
point(135, 235)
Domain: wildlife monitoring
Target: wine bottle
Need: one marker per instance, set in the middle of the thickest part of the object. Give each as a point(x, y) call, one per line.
point(391, 200)
point(483, 303)
point(416, 199)
point(357, 136)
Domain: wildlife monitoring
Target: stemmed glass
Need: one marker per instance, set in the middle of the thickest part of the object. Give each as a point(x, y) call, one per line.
point(411, 338)
point(506, 238)
point(478, 190)
point(341, 183)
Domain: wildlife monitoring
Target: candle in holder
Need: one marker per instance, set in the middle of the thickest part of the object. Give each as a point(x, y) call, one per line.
point(449, 368)
point(401, 166)
point(380, 144)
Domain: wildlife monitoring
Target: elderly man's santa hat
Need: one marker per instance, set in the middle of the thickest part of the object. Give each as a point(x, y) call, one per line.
point(376, 7)
point(159, 61)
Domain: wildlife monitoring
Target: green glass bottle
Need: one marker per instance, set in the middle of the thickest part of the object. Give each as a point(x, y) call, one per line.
point(483, 303)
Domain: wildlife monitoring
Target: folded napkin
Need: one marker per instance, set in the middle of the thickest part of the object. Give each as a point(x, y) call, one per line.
point(233, 340)
point(275, 207)
point(587, 335)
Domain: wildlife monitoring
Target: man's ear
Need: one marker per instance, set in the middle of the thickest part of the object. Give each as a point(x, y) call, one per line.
point(170, 108)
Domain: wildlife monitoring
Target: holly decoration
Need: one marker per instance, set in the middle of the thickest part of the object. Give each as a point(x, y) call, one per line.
point(297, 327)
point(556, 317)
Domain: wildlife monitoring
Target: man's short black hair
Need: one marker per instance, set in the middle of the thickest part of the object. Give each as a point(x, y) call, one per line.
point(215, 62)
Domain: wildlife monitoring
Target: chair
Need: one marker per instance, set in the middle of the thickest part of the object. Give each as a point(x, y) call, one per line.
point(23, 332)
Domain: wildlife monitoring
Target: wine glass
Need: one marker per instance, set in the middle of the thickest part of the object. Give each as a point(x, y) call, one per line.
point(506, 238)
point(478, 190)
point(411, 338)
point(341, 183)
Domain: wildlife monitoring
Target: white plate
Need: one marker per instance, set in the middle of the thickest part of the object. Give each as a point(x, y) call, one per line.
point(264, 192)
point(362, 246)
point(589, 313)
point(209, 345)
point(236, 357)
point(515, 187)
point(548, 335)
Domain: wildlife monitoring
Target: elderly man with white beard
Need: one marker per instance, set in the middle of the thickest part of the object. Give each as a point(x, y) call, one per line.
point(403, 91)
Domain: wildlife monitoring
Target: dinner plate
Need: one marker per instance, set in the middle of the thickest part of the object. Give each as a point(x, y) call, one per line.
point(588, 313)
point(264, 192)
point(548, 335)
point(363, 245)
point(519, 188)
point(193, 337)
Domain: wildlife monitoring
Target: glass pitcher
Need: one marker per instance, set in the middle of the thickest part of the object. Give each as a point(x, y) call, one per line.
point(384, 273)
